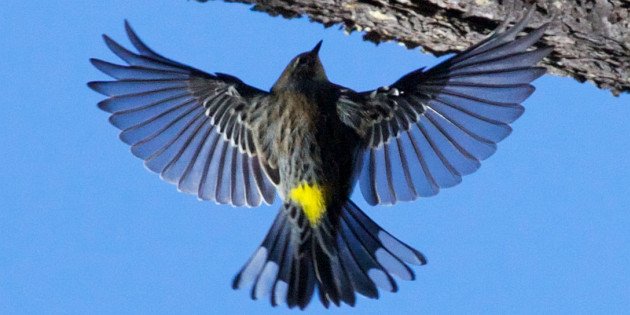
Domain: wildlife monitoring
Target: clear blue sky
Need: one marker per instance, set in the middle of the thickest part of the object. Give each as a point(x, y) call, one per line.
point(543, 226)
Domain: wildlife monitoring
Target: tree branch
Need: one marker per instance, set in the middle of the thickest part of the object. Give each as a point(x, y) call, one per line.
point(591, 38)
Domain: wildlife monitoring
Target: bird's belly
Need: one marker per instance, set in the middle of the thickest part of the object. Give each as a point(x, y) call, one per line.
point(315, 154)
point(320, 155)
point(318, 177)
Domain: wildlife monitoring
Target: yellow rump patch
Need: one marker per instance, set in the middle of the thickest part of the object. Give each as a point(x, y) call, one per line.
point(311, 199)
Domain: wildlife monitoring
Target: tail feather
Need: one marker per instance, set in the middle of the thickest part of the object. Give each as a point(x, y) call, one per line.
point(280, 288)
point(302, 282)
point(352, 256)
point(357, 273)
point(334, 282)
point(364, 247)
point(390, 243)
point(267, 277)
point(252, 269)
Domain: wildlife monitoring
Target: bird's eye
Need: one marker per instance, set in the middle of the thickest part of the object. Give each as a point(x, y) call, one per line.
point(303, 61)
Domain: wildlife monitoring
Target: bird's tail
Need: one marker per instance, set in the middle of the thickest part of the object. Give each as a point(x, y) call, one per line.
point(353, 255)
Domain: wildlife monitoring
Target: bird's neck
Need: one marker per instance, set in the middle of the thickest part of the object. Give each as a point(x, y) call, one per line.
point(307, 87)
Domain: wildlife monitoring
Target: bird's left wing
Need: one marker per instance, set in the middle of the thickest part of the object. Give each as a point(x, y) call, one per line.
point(187, 125)
point(431, 127)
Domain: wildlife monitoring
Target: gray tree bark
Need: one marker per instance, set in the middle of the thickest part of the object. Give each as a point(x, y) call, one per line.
point(591, 38)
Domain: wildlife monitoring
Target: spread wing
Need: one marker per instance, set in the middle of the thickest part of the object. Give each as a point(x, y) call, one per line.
point(431, 127)
point(187, 125)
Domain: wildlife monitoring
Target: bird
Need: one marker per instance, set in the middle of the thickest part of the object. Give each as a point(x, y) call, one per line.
point(310, 142)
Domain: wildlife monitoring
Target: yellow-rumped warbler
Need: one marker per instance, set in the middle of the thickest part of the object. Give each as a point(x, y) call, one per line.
point(310, 141)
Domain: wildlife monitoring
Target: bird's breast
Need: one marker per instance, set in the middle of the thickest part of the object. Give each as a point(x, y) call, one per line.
point(312, 144)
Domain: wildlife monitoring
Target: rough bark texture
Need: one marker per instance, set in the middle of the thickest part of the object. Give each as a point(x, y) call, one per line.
point(591, 37)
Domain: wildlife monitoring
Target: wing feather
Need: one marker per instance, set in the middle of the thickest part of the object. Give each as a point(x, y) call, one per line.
point(187, 125)
point(431, 127)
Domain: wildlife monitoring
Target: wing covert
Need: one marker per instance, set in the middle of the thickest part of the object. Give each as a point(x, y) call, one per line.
point(429, 128)
point(187, 125)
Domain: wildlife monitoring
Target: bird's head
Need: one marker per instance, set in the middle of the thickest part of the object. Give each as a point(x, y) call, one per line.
point(303, 68)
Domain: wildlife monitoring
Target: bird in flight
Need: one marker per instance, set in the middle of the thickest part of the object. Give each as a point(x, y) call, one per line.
point(309, 141)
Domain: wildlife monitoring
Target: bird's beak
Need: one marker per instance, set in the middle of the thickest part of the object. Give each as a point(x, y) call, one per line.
point(315, 50)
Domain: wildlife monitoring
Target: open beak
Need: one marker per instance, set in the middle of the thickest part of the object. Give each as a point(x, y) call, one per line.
point(315, 50)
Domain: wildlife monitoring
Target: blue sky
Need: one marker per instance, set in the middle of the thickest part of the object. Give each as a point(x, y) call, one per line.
point(543, 226)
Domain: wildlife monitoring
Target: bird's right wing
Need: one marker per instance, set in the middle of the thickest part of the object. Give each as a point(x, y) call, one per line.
point(431, 127)
point(187, 125)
